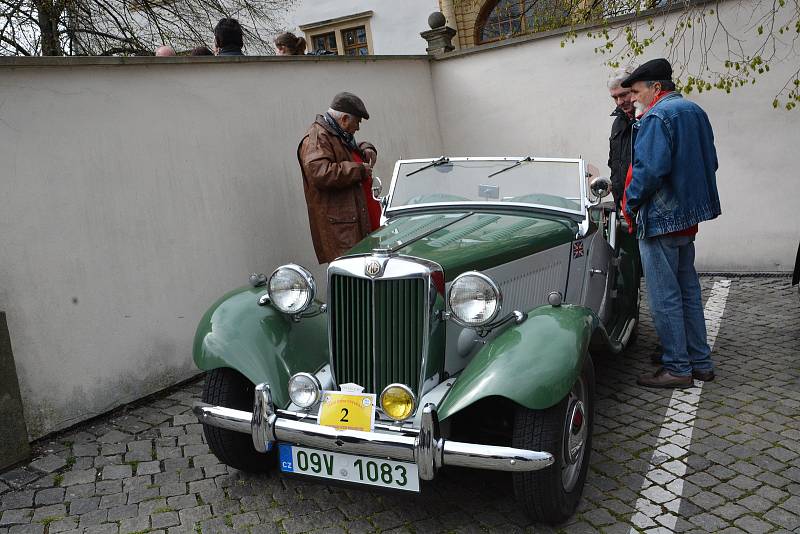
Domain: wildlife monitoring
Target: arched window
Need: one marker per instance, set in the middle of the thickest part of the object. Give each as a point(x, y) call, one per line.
point(502, 19)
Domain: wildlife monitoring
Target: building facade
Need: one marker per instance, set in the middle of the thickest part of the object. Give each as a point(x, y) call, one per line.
point(362, 27)
point(485, 21)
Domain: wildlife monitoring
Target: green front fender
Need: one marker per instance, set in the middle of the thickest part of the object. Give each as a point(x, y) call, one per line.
point(260, 342)
point(533, 364)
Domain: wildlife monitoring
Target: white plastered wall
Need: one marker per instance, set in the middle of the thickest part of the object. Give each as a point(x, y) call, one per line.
point(135, 196)
point(537, 98)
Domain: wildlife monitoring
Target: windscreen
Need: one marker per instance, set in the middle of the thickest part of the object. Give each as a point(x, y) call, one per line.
point(554, 184)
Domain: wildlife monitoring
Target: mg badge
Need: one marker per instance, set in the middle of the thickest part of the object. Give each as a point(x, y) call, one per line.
point(373, 268)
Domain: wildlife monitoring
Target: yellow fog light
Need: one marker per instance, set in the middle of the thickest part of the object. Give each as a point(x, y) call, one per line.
point(397, 401)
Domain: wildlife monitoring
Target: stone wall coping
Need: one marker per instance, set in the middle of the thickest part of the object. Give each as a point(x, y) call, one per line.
point(104, 61)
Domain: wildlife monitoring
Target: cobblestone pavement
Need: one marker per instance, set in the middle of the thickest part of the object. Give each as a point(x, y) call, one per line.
point(146, 468)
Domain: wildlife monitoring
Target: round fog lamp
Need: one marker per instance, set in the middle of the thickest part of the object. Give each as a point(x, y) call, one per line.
point(304, 390)
point(397, 401)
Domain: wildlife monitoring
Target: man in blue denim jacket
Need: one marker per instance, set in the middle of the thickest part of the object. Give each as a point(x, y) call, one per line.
point(672, 189)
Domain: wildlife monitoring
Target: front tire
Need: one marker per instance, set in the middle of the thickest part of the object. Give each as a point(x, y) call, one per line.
point(551, 495)
point(229, 388)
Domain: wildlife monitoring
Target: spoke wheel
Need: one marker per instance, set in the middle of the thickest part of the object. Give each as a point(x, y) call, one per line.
point(231, 389)
point(565, 430)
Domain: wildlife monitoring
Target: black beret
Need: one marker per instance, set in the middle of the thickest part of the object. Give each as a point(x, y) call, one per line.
point(350, 103)
point(656, 70)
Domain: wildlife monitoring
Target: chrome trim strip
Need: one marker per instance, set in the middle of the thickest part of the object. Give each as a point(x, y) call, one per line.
point(262, 419)
point(578, 215)
point(427, 449)
point(494, 458)
point(431, 446)
point(382, 427)
point(221, 417)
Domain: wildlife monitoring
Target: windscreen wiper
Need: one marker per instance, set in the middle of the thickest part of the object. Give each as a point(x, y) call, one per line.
point(517, 164)
point(434, 163)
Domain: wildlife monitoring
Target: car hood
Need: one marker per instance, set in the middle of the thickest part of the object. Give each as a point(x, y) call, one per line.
point(464, 241)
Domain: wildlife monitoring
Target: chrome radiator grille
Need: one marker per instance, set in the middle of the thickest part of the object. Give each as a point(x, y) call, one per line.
point(378, 330)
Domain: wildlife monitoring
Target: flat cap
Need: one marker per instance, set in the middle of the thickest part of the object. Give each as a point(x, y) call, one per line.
point(651, 71)
point(350, 103)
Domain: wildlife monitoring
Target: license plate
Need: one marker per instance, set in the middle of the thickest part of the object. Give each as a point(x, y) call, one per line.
point(347, 411)
point(349, 468)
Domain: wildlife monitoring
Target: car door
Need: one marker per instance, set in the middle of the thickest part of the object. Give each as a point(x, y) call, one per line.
point(599, 272)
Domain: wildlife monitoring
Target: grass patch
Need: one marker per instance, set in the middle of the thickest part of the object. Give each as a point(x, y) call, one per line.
point(58, 479)
point(145, 531)
point(134, 465)
point(50, 519)
point(70, 462)
point(153, 486)
point(163, 510)
point(229, 520)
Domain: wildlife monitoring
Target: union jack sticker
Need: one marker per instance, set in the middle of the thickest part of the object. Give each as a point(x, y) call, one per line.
point(577, 249)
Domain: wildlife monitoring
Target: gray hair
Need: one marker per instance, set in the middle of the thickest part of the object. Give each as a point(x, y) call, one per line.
point(666, 85)
point(618, 75)
point(336, 114)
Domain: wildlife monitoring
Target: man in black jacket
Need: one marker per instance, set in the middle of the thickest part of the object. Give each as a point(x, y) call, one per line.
point(619, 154)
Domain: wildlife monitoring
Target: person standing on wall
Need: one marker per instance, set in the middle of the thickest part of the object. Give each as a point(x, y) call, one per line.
point(228, 38)
point(671, 188)
point(288, 44)
point(337, 178)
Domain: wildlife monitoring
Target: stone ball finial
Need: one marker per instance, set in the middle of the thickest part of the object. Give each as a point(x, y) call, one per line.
point(436, 20)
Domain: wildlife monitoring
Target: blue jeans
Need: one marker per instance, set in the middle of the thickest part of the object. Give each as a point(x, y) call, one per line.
point(673, 290)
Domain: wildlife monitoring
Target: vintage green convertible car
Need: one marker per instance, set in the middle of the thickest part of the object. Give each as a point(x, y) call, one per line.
point(457, 334)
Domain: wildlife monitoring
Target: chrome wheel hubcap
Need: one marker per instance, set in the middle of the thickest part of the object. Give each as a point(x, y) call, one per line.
point(576, 432)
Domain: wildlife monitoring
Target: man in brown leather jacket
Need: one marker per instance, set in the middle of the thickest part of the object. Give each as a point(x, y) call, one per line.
point(336, 173)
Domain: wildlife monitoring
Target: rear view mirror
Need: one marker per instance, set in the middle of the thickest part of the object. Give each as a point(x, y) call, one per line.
point(377, 188)
point(600, 186)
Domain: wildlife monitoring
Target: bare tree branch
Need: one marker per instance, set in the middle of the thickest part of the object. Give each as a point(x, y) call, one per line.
point(125, 27)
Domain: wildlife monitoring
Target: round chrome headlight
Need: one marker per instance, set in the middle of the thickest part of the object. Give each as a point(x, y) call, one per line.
point(291, 288)
point(304, 390)
point(474, 299)
point(397, 401)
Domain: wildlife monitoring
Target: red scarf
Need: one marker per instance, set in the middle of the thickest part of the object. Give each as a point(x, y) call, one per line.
point(692, 230)
point(373, 206)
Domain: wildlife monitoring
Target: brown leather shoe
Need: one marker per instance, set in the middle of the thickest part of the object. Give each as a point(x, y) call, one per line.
point(664, 379)
point(703, 376)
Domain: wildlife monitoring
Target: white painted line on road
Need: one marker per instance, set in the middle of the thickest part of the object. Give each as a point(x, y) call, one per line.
point(666, 470)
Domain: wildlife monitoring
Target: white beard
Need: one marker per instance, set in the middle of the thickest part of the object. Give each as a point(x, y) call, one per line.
point(639, 107)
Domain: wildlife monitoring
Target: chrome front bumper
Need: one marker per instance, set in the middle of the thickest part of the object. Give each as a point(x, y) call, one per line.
point(424, 447)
